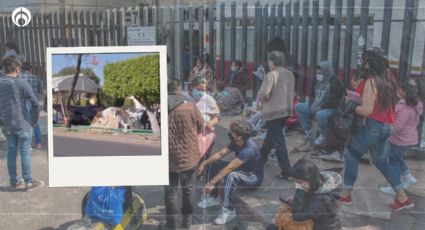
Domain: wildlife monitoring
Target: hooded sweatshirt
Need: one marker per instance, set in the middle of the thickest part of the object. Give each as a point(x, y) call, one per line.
point(329, 92)
point(320, 206)
point(406, 121)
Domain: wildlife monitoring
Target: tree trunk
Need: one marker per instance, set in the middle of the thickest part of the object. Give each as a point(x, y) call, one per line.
point(154, 122)
point(71, 93)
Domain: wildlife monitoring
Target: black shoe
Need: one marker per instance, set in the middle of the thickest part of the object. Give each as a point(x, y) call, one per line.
point(186, 222)
point(284, 177)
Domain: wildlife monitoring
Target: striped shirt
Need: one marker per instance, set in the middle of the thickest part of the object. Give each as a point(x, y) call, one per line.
point(34, 81)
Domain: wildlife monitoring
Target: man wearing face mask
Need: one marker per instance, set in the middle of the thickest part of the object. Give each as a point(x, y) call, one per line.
point(328, 95)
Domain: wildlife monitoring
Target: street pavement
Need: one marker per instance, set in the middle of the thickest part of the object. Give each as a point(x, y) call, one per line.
point(56, 208)
point(65, 146)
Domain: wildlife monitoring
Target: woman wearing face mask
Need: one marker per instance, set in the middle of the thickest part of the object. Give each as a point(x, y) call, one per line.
point(328, 95)
point(239, 77)
point(202, 69)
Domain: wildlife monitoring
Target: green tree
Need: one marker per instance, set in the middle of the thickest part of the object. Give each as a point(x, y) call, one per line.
point(138, 77)
point(70, 70)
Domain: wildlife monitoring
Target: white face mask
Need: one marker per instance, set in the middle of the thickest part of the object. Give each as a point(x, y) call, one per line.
point(319, 77)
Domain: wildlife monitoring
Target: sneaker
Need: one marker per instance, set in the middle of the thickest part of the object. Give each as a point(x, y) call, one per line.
point(34, 185)
point(346, 200)
point(398, 206)
point(335, 156)
point(38, 146)
point(273, 156)
point(284, 176)
point(388, 190)
point(408, 181)
point(208, 201)
point(18, 186)
point(225, 216)
point(319, 140)
point(307, 135)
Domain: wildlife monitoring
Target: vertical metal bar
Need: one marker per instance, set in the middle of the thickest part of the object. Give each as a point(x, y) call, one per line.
point(233, 32)
point(172, 46)
point(122, 27)
point(406, 40)
point(94, 26)
point(423, 63)
point(37, 50)
point(162, 16)
point(386, 25)
point(100, 26)
point(295, 30)
point(314, 35)
point(257, 48)
point(69, 29)
point(348, 42)
point(279, 19)
point(337, 36)
point(155, 21)
point(114, 27)
point(86, 29)
point(191, 43)
point(108, 27)
point(201, 32)
point(362, 41)
point(325, 30)
point(45, 34)
point(264, 37)
point(272, 21)
point(145, 16)
point(222, 31)
point(181, 44)
point(43, 39)
point(63, 26)
point(51, 30)
point(244, 32)
point(212, 36)
point(2, 37)
point(77, 28)
point(304, 48)
point(288, 23)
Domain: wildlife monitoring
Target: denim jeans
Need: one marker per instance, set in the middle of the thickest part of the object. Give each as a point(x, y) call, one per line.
point(37, 134)
point(395, 155)
point(373, 136)
point(186, 179)
point(322, 117)
point(257, 121)
point(275, 138)
point(22, 140)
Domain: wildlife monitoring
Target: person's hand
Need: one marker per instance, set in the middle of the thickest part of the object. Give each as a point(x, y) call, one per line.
point(201, 168)
point(210, 126)
point(208, 188)
point(350, 106)
point(303, 186)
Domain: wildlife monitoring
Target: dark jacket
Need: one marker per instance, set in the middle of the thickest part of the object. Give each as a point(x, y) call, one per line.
point(11, 109)
point(185, 122)
point(329, 93)
point(239, 80)
point(321, 206)
point(29, 101)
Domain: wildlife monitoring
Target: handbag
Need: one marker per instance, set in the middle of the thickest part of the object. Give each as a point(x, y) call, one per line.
point(205, 141)
point(284, 221)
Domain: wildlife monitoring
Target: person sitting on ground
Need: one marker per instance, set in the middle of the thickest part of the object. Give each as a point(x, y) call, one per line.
point(316, 196)
point(229, 100)
point(405, 135)
point(239, 77)
point(202, 69)
point(244, 170)
point(328, 95)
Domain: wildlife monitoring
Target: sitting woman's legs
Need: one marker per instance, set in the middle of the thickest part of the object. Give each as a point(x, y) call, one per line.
point(303, 112)
point(322, 117)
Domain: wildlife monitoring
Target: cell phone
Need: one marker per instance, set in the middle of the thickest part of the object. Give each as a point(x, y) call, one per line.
point(284, 200)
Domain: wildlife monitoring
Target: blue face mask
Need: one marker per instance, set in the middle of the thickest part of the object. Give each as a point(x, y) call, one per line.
point(197, 93)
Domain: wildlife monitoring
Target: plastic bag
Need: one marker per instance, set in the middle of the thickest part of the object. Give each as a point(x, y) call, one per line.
point(106, 204)
point(205, 141)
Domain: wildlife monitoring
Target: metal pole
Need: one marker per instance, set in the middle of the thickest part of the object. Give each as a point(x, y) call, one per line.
point(406, 40)
point(314, 34)
point(304, 47)
point(337, 36)
point(386, 26)
point(325, 30)
point(233, 32)
point(222, 31)
point(244, 32)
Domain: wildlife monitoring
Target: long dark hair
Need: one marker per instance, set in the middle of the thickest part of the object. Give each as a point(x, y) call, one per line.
point(383, 80)
point(307, 171)
point(414, 91)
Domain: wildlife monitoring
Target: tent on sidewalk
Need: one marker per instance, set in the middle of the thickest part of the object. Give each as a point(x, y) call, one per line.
point(84, 84)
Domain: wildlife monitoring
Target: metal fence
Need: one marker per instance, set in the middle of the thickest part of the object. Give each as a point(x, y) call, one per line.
point(306, 26)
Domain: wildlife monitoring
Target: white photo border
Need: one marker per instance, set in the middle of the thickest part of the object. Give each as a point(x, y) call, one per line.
point(109, 170)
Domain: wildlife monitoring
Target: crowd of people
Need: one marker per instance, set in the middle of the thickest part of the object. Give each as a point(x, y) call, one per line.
point(375, 115)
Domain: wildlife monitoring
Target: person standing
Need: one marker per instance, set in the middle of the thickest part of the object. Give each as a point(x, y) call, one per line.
point(12, 50)
point(202, 69)
point(185, 124)
point(17, 124)
point(276, 97)
point(378, 100)
point(38, 89)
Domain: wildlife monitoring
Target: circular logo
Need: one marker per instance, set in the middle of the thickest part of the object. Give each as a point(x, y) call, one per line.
point(21, 16)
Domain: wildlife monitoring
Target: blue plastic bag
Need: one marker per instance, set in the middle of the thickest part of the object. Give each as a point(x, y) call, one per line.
point(106, 204)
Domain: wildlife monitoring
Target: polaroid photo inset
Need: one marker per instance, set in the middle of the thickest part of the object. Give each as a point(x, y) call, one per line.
point(111, 142)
